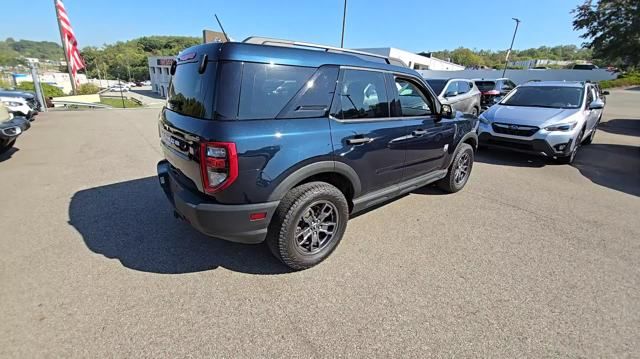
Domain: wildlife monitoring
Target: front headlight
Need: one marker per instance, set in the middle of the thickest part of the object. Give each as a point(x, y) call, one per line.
point(567, 126)
point(482, 119)
point(12, 104)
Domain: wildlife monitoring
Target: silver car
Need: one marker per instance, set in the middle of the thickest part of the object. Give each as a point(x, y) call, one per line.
point(552, 118)
point(461, 94)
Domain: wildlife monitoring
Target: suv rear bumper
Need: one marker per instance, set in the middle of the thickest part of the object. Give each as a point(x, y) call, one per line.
point(228, 222)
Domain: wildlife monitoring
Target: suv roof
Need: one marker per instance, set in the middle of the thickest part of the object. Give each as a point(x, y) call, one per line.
point(291, 53)
point(555, 83)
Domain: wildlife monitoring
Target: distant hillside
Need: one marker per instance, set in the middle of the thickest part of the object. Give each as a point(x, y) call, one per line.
point(128, 59)
point(11, 51)
point(489, 58)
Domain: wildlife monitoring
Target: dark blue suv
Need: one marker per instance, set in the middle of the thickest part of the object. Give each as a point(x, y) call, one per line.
point(282, 141)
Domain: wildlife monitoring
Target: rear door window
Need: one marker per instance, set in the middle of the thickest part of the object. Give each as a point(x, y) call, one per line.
point(267, 88)
point(362, 95)
point(463, 87)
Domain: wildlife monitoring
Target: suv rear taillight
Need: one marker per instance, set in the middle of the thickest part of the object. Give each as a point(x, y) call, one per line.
point(219, 165)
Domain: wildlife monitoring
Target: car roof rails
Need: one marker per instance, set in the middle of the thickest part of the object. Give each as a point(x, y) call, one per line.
point(289, 43)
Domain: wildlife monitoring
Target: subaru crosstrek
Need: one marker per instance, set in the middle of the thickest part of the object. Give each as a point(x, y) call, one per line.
point(552, 118)
point(281, 141)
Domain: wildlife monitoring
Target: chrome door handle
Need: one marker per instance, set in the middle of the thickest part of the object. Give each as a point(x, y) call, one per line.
point(419, 133)
point(358, 140)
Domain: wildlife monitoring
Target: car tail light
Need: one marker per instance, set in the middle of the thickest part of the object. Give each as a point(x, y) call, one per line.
point(492, 92)
point(219, 165)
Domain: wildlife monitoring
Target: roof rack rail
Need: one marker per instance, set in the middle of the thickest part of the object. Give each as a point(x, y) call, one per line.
point(289, 43)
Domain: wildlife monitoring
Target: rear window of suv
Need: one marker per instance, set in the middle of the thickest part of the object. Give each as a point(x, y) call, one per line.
point(486, 85)
point(191, 93)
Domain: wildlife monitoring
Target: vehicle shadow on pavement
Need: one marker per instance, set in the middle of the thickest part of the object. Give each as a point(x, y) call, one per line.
point(133, 222)
point(612, 166)
point(509, 158)
point(627, 127)
point(7, 155)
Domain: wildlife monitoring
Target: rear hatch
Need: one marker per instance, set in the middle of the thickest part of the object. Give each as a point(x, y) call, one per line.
point(488, 92)
point(189, 111)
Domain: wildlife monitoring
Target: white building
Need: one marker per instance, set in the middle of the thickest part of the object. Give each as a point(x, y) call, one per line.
point(58, 79)
point(415, 61)
point(159, 67)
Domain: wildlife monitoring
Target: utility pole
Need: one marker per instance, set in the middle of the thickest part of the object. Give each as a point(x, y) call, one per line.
point(121, 96)
point(344, 19)
point(37, 87)
point(506, 60)
point(64, 48)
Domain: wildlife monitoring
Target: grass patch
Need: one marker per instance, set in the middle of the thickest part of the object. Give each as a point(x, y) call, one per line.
point(625, 80)
point(117, 102)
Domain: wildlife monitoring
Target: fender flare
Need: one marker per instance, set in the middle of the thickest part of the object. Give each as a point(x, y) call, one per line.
point(313, 169)
point(468, 135)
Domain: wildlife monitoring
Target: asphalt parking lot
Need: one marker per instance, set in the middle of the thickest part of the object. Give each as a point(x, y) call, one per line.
point(532, 259)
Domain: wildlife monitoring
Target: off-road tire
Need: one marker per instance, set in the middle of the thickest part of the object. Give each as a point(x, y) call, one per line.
point(6, 146)
point(281, 237)
point(448, 183)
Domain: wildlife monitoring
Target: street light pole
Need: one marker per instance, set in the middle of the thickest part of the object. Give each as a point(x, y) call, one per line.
point(344, 19)
point(506, 60)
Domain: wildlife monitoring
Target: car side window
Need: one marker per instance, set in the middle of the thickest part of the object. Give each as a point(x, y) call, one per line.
point(452, 87)
point(463, 87)
point(362, 95)
point(413, 102)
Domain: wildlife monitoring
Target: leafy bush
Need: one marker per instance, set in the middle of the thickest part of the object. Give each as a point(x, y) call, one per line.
point(625, 80)
point(88, 89)
point(49, 90)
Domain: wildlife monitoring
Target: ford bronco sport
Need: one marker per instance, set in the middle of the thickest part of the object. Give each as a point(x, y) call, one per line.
point(279, 141)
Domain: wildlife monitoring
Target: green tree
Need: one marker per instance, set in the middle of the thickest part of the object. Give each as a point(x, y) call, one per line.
point(88, 89)
point(612, 28)
point(48, 90)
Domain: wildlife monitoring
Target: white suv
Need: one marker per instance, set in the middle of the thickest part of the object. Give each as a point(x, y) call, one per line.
point(552, 118)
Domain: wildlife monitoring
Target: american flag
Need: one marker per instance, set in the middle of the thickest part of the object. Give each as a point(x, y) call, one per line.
point(70, 42)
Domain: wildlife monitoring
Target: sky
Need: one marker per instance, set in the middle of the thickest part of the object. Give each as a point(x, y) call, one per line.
point(412, 25)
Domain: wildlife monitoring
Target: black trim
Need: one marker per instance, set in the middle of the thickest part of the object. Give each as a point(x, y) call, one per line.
point(467, 136)
point(385, 194)
point(537, 146)
point(228, 222)
point(314, 169)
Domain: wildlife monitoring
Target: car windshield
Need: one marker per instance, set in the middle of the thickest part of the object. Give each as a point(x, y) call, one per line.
point(545, 96)
point(437, 85)
point(486, 85)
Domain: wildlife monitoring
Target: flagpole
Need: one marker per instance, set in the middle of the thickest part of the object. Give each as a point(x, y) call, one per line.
point(64, 48)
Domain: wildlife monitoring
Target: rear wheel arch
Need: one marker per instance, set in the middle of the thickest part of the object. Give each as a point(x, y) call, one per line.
point(337, 174)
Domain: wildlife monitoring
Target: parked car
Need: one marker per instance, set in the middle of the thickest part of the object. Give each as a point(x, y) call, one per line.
point(283, 142)
point(462, 95)
point(18, 106)
point(119, 88)
point(553, 118)
point(493, 90)
point(584, 67)
point(10, 128)
point(27, 96)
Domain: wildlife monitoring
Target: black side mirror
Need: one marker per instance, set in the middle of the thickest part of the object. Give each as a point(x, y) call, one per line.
point(605, 93)
point(451, 94)
point(446, 111)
